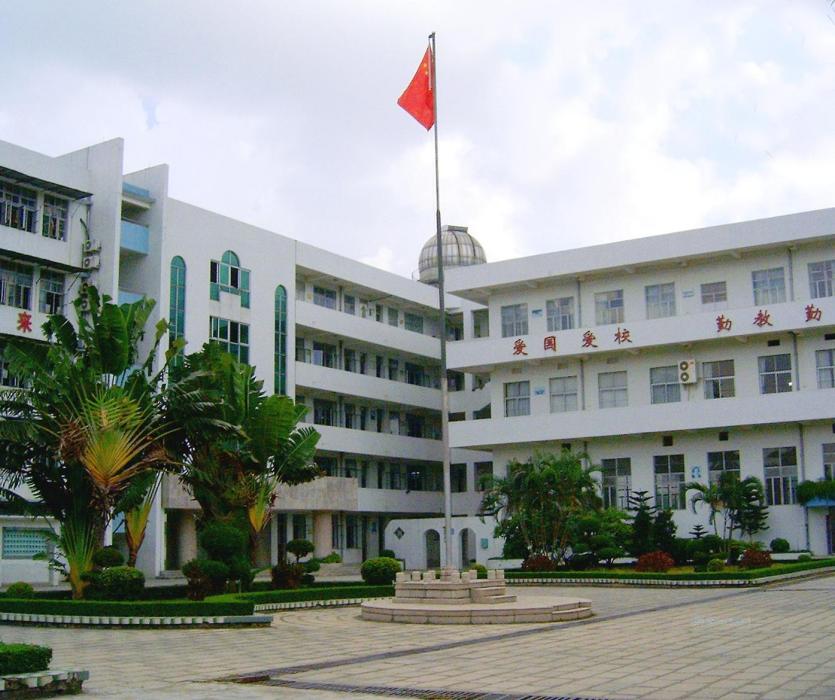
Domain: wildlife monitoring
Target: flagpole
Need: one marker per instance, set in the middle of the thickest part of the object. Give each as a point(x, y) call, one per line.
point(442, 331)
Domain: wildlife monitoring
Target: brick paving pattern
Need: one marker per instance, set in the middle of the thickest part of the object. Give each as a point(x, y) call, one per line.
point(774, 642)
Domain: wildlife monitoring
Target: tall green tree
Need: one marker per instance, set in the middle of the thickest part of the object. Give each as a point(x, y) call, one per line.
point(259, 445)
point(87, 418)
point(541, 498)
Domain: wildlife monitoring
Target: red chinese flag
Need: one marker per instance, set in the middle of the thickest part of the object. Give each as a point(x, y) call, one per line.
point(417, 98)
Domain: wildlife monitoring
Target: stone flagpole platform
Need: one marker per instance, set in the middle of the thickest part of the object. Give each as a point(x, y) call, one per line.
point(460, 598)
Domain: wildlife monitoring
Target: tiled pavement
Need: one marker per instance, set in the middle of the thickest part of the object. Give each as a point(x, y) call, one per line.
point(775, 642)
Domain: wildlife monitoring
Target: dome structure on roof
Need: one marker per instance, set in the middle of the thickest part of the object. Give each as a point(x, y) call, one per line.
point(459, 249)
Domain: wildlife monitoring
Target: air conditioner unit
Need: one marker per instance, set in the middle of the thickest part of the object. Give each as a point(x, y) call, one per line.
point(91, 246)
point(687, 371)
point(91, 262)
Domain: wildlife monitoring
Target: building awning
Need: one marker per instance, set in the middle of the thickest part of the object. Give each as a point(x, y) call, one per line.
point(20, 178)
point(821, 503)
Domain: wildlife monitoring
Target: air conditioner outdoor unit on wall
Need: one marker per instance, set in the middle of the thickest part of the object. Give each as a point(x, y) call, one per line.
point(91, 246)
point(687, 371)
point(91, 262)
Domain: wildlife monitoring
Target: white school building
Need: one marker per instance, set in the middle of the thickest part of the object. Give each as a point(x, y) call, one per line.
point(730, 328)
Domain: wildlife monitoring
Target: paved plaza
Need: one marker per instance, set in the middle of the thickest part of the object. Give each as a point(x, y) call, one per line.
point(771, 642)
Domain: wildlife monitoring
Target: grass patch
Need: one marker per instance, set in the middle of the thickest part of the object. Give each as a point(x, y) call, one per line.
point(296, 595)
point(678, 574)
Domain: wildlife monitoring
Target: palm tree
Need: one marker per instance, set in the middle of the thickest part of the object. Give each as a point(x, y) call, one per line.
point(711, 495)
point(542, 498)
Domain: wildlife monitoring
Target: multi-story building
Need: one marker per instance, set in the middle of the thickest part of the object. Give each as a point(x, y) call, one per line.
point(357, 345)
point(667, 360)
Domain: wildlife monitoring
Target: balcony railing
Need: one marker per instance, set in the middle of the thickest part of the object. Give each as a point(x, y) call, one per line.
point(135, 237)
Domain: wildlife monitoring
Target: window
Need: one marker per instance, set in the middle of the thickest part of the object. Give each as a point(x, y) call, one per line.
point(611, 387)
point(608, 307)
point(718, 379)
point(769, 286)
point(514, 320)
point(458, 477)
point(413, 322)
point(232, 336)
point(394, 369)
point(829, 460)
point(324, 354)
point(669, 482)
point(719, 463)
point(714, 293)
point(560, 313)
point(352, 540)
point(825, 361)
point(55, 212)
point(481, 323)
point(616, 482)
point(517, 399)
point(661, 300)
point(280, 341)
point(51, 295)
point(299, 527)
point(324, 412)
point(664, 384)
point(324, 297)
point(351, 416)
point(25, 542)
point(775, 374)
point(780, 470)
point(395, 477)
point(176, 300)
point(349, 305)
point(6, 377)
point(393, 316)
point(228, 276)
point(15, 285)
point(300, 289)
point(820, 279)
point(18, 207)
point(563, 392)
point(483, 473)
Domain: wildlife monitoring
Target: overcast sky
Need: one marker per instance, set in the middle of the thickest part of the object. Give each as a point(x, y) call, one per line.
point(561, 123)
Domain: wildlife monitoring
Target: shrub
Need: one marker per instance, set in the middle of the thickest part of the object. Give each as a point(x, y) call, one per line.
point(308, 579)
point(755, 559)
point(805, 557)
point(21, 589)
point(286, 575)
point(716, 565)
point(388, 553)
point(312, 566)
point(116, 583)
point(655, 561)
point(480, 570)
point(539, 562)
point(223, 542)
point(379, 571)
point(23, 658)
point(205, 576)
point(735, 550)
point(107, 556)
point(334, 558)
point(779, 545)
point(300, 548)
point(680, 550)
point(580, 561)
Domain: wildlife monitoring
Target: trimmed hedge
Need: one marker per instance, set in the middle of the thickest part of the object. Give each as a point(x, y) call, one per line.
point(774, 570)
point(296, 595)
point(128, 608)
point(23, 658)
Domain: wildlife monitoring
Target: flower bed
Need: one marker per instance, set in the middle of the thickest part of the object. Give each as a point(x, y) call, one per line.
point(621, 575)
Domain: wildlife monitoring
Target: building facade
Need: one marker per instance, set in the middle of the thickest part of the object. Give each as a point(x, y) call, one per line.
point(357, 345)
point(667, 360)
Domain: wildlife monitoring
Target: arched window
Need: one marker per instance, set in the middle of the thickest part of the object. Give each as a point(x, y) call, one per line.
point(177, 304)
point(227, 275)
point(280, 340)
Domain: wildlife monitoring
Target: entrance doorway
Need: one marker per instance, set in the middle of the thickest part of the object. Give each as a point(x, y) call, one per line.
point(468, 553)
point(433, 549)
